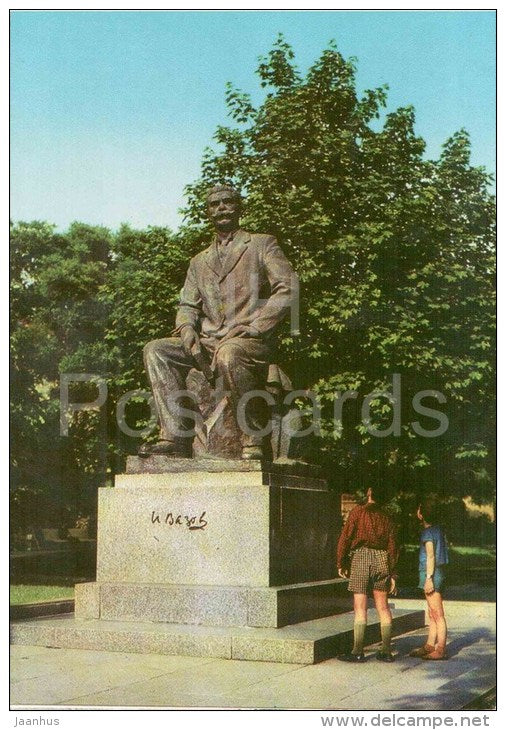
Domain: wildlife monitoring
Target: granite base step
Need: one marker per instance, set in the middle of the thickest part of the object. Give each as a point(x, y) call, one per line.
point(213, 605)
point(308, 642)
point(159, 464)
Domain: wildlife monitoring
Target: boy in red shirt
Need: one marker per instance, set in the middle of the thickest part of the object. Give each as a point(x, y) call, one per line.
point(368, 538)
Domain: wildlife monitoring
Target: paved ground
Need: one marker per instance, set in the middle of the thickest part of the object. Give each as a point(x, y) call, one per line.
point(77, 678)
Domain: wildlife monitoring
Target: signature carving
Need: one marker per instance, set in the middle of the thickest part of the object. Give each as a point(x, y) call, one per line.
point(172, 519)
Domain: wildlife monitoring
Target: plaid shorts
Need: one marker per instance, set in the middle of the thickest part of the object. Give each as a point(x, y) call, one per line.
point(369, 568)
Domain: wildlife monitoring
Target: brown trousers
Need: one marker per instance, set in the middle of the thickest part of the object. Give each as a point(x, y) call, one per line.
point(241, 362)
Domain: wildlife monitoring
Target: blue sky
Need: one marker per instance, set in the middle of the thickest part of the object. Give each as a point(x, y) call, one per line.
point(110, 111)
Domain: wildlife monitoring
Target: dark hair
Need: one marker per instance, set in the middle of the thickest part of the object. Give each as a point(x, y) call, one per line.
point(379, 492)
point(221, 188)
point(430, 510)
point(379, 481)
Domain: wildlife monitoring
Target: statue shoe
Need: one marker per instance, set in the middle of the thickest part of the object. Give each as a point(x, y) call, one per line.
point(252, 453)
point(163, 448)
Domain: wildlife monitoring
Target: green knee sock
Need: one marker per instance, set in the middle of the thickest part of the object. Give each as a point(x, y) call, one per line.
point(386, 637)
point(358, 637)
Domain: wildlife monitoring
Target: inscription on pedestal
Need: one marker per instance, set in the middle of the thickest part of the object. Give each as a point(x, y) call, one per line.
point(192, 522)
point(216, 529)
point(183, 531)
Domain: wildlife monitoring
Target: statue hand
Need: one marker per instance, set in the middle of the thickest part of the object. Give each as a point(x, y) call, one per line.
point(190, 341)
point(242, 330)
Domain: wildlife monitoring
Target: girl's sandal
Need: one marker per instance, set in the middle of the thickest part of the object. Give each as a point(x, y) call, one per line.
point(422, 651)
point(436, 655)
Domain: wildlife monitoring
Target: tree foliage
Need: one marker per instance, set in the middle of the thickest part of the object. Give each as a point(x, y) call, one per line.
point(57, 325)
point(395, 254)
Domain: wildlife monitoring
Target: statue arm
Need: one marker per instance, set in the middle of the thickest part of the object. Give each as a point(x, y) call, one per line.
point(190, 303)
point(284, 286)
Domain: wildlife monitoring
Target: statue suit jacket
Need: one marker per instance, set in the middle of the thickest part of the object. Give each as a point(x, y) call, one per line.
point(254, 287)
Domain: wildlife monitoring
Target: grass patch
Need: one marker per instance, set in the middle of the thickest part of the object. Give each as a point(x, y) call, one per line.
point(469, 550)
point(463, 555)
point(481, 552)
point(468, 564)
point(35, 594)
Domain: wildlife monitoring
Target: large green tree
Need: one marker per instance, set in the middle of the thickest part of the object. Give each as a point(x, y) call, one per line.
point(82, 302)
point(141, 295)
point(395, 255)
point(57, 326)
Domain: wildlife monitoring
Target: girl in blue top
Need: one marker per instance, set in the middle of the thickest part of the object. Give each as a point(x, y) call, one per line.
point(433, 558)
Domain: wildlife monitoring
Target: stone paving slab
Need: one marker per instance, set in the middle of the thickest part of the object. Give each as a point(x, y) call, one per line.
point(37, 661)
point(78, 678)
point(193, 688)
point(456, 611)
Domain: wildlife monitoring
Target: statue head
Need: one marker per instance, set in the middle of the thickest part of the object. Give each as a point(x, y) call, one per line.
point(224, 207)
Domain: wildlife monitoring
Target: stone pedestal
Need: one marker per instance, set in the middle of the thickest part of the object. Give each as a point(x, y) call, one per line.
point(264, 526)
point(221, 558)
point(215, 542)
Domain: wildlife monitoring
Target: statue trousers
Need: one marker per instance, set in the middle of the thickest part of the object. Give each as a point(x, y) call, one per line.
point(240, 365)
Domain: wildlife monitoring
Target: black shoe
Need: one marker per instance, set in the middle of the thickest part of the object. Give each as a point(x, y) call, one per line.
point(163, 448)
point(351, 658)
point(385, 656)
